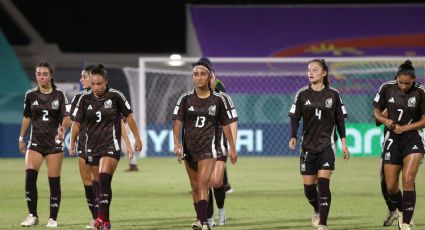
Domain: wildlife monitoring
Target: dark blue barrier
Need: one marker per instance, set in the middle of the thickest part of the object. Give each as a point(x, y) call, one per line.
point(9, 134)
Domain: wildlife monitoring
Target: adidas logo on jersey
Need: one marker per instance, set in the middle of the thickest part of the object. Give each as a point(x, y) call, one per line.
point(191, 108)
point(35, 102)
point(89, 108)
point(391, 100)
point(326, 164)
point(415, 147)
point(307, 102)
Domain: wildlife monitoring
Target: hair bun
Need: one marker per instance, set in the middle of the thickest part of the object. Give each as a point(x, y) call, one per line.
point(408, 62)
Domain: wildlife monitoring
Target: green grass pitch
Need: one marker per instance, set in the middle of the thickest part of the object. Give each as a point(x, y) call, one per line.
point(268, 194)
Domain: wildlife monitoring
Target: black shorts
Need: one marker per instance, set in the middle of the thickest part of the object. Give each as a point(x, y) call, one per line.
point(94, 160)
point(193, 164)
point(44, 151)
point(81, 153)
point(311, 163)
point(397, 147)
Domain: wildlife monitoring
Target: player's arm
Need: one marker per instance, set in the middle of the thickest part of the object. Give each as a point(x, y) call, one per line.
point(295, 117)
point(399, 129)
point(232, 148)
point(178, 149)
point(126, 140)
point(133, 127)
point(75, 130)
point(26, 121)
point(380, 118)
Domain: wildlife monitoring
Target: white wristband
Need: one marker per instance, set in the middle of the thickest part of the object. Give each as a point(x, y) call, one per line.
point(21, 138)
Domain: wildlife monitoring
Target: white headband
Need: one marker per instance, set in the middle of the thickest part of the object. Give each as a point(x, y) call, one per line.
point(201, 66)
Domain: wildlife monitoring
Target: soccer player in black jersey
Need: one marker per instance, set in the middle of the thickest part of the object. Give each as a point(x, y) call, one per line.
point(200, 112)
point(102, 112)
point(44, 110)
point(322, 109)
point(403, 146)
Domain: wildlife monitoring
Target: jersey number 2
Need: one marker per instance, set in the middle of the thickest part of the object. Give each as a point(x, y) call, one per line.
point(45, 114)
point(200, 122)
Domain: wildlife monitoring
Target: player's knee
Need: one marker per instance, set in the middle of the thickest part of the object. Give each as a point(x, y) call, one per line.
point(216, 183)
point(409, 183)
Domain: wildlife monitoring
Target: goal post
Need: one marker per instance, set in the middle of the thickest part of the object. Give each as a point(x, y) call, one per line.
point(263, 90)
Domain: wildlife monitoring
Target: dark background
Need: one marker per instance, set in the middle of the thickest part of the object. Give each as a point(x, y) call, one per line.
point(125, 26)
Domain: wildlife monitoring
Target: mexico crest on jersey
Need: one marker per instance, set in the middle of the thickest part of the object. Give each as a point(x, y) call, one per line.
point(55, 104)
point(411, 102)
point(211, 110)
point(108, 104)
point(329, 103)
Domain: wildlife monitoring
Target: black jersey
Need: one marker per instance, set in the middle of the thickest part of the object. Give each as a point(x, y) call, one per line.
point(82, 136)
point(201, 118)
point(320, 111)
point(403, 108)
point(221, 141)
point(103, 120)
point(46, 112)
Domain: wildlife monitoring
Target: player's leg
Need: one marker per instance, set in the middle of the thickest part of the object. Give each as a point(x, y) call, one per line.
point(226, 183)
point(219, 191)
point(54, 167)
point(87, 179)
point(33, 161)
point(326, 164)
point(205, 169)
point(410, 169)
point(107, 167)
point(132, 165)
point(308, 170)
point(192, 172)
point(392, 210)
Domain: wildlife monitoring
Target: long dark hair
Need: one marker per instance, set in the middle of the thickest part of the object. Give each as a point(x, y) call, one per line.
point(51, 70)
point(406, 69)
point(325, 68)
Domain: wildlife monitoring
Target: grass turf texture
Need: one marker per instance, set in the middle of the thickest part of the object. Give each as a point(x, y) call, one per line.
point(268, 194)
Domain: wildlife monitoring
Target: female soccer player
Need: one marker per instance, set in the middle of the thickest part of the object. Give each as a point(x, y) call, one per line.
point(44, 111)
point(102, 111)
point(321, 108)
point(200, 112)
point(404, 100)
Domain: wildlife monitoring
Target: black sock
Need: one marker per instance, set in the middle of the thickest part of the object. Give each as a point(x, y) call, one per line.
point(95, 185)
point(225, 179)
point(196, 210)
point(386, 195)
point(91, 200)
point(409, 202)
point(202, 206)
point(55, 196)
point(220, 196)
point(324, 199)
point(396, 200)
point(210, 210)
point(105, 196)
point(310, 192)
point(31, 193)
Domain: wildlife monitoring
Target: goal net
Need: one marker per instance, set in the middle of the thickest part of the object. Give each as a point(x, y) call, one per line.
point(263, 90)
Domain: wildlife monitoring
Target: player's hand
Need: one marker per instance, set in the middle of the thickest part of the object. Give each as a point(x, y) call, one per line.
point(72, 149)
point(292, 143)
point(233, 155)
point(138, 145)
point(399, 129)
point(389, 123)
point(61, 134)
point(178, 150)
point(129, 151)
point(22, 147)
point(345, 153)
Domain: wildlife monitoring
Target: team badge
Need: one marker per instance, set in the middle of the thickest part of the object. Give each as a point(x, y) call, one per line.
point(303, 167)
point(55, 104)
point(329, 103)
point(211, 110)
point(108, 104)
point(387, 156)
point(411, 102)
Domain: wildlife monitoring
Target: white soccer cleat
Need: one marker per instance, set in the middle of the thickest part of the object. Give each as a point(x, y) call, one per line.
point(197, 225)
point(221, 217)
point(30, 221)
point(391, 217)
point(322, 227)
point(205, 226)
point(211, 221)
point(405, 227)
point(52, 223)
point(91, 225)
point(315, 219)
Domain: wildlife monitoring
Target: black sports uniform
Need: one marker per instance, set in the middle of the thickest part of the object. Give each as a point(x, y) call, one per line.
point(103, 123)
point(403, 108)
point(321, 111)
point(82, 136)
point(46, 112)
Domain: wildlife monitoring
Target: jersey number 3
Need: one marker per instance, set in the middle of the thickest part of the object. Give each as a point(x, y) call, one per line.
point(200, 122)
point(99, 116)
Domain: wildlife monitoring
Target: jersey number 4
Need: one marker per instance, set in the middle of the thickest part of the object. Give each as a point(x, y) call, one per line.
point(200, 121)
point(318, 114)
